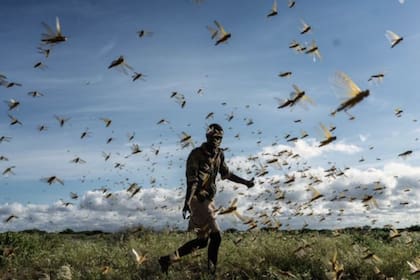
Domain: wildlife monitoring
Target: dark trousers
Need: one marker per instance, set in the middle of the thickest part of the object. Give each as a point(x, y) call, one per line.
point(200, 243)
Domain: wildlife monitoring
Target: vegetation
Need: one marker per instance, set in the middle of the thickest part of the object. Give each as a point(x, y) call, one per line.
point(265, 254)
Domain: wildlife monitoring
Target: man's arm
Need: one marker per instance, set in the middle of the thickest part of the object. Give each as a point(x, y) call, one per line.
point(188, 197)
point(234, 178)
point(192, 181)
point(190, 194)
point(226, 174)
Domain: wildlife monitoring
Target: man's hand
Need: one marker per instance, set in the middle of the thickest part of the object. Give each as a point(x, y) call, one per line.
point(186, 211)
point(250, 183)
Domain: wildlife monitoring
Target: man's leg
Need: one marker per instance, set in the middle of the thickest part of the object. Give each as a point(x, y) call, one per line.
point(215, 240)
point(190, 246)
point(185, 249)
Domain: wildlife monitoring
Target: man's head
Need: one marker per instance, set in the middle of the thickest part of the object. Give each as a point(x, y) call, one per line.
point(214, 135)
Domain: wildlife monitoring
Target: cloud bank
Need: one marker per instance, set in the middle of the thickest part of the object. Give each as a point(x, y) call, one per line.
point(394, 191)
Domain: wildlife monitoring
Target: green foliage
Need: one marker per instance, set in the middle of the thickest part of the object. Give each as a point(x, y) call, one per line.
point(243, 255)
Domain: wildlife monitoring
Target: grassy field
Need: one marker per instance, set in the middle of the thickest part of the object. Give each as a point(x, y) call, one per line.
point(264, 254)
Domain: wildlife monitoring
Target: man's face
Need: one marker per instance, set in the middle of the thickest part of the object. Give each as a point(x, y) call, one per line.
point(215, 140)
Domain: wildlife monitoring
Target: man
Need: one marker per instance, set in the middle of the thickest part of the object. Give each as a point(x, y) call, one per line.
point(203, 165)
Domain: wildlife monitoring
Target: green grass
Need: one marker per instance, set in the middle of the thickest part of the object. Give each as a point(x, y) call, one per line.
point(259, 255)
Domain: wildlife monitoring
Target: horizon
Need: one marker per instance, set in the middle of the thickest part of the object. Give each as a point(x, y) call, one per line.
point(229, 230)
point(369, 175)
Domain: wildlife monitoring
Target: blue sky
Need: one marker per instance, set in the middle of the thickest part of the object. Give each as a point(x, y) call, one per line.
point(180, 56)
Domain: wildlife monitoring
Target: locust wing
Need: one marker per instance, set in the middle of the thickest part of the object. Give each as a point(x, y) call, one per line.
point(326, 131)
point(344, 82)
point(57, 25)
point(391, 36)
point(221, 29)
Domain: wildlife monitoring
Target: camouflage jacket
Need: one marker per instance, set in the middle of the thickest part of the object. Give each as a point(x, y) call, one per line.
point(203, 167)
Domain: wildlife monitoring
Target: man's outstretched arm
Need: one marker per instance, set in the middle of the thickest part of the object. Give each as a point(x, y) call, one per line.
point(234, 178)
point(226, 174)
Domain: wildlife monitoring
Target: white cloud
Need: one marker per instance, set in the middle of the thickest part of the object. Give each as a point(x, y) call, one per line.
point(309, 148)
point(160, 207)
